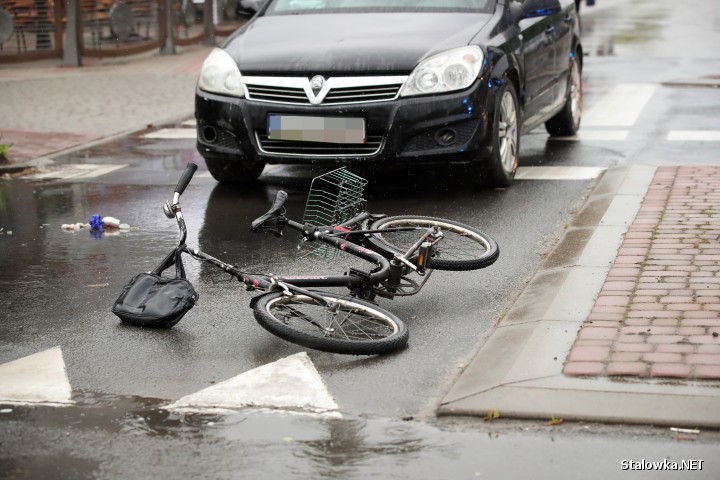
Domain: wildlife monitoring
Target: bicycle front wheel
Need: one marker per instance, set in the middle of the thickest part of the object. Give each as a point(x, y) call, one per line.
point(461, 247)
point(346, 325)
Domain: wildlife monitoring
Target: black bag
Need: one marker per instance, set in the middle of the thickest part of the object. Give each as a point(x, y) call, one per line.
point(151, 300)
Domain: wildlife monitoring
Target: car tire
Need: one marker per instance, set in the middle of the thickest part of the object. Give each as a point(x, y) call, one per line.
point(499, 169)
point(566, 122)
point(234, 171)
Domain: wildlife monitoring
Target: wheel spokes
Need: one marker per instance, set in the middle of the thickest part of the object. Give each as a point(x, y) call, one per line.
point(337, 321)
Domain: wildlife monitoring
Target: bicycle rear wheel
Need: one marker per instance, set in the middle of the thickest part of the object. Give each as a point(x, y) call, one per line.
point(461, 248)
point(347, 325)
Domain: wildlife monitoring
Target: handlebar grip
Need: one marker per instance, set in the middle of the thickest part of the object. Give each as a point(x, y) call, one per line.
point(271, 215)
point(185, 179)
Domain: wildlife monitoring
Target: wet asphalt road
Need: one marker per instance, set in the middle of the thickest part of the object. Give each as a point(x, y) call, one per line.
point(58, 287)
point(76, 276)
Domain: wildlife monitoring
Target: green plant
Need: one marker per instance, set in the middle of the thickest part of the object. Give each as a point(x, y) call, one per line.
point(4, 147)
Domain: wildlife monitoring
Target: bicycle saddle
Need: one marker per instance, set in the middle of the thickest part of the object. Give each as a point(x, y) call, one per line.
point(269, 221)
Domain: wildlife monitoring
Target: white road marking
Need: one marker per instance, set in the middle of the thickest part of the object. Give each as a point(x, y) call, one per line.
point(558, 173)
point(596, 135)
point(694, 135)
point(73, 170)
point(172, 134)
point(290, 384)
point(621, 107)
point(36, 379)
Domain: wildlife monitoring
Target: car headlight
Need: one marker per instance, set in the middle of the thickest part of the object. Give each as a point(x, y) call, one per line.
point(220, 74)
point(445, 72)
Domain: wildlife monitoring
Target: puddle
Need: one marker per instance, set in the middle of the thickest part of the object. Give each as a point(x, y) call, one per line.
point(114, 436)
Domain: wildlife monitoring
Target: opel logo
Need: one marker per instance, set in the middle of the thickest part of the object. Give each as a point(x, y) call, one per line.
point(317, 82)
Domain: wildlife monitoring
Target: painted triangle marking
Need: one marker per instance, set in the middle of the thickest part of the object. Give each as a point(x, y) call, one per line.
point(291, 384)
point(172, 133)
point(36, 379)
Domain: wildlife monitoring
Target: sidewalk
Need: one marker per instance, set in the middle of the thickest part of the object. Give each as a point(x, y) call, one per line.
point(49, 109)
point(622, 322)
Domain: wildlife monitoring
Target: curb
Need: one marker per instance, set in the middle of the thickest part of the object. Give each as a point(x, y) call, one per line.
point(50, 158)
point(518, 370)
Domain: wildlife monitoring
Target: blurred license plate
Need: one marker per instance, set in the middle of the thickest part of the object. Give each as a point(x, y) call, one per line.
point(316, 129)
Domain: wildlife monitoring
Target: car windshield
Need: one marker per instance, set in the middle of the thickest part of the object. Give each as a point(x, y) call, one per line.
point(294, 7)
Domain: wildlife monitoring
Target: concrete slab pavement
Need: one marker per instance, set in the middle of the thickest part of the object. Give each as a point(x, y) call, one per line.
point(48, 109)
point(562, 349)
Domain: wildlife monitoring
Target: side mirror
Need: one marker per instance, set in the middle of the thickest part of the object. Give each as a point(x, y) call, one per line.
point(248, 7)
point(539, 8)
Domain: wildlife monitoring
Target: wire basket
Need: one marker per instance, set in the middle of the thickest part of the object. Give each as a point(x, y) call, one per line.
point(334, 198)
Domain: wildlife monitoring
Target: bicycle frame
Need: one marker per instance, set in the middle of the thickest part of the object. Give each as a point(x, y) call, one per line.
point(360, 283)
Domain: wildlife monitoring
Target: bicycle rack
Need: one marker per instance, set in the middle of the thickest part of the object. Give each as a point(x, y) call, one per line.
point(334, 198)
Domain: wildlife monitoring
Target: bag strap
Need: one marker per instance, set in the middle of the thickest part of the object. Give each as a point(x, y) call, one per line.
point(179, 267)
point(175, 258)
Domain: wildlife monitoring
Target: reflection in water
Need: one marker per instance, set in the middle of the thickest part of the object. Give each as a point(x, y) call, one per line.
point(225, 232)
point(251, 444)
point(347, 446)
point(44, 268)
point(132, 437)
point(624, 30)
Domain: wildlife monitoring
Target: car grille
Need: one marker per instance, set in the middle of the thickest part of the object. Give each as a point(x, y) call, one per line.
point(285, 147)
point(337, 91)
point(362, 94)
point(277, 94)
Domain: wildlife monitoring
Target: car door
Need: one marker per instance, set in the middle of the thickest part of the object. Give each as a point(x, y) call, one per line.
point(563, 23)
point(538, 56)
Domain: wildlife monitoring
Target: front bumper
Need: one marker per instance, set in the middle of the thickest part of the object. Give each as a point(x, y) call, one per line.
point(434, 129)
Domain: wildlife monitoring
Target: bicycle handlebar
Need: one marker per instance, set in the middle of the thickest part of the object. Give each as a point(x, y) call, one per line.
point(185, 179)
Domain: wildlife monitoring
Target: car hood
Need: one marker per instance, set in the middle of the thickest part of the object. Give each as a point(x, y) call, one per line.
point(348, 43)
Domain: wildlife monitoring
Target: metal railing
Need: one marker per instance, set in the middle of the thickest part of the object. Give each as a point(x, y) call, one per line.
point(36, 29)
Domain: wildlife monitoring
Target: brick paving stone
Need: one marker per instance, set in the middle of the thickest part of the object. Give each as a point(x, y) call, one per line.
point(604, 323)
point(660, 304)
point(584, 368)
point(704, 359)
point(638, 369)
point(633, 347)
point(665, 338)
point(595, 333)
point(676, 348)
point(707, 371)
point(605, 316)
point(708, 349)
point(665, 322)
point(638, 321)
point(592, 354)
point(664, 357)
point(625, 356)
point(593, 343)
point(670, 370)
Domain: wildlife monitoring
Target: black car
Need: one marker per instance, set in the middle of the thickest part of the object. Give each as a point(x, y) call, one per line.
point(389, 82)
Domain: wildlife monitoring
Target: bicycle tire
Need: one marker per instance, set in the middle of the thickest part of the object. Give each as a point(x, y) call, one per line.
point(366, 329)
point(481, 250)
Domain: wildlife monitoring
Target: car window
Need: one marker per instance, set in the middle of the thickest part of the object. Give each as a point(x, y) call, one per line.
point(294, 7)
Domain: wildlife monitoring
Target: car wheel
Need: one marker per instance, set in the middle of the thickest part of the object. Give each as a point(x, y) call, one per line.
point(567, 121)
point(233, 171)
point(499, 170)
